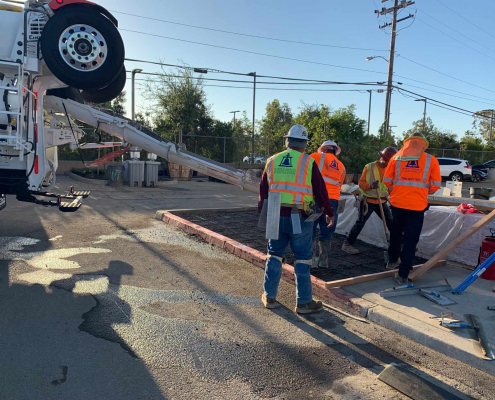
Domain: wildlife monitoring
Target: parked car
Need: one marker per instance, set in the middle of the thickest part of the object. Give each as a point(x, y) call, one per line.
point(257, 160)
point(455, 169)
point(479, 175)
point(485, 166)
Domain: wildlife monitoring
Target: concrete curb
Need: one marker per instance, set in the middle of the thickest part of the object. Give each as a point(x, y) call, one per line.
point(435, 338)
point(205, 210)
point(78, 178)
point(337, 297)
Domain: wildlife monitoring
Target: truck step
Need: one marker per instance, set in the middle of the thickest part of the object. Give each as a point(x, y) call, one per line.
point(82, 193)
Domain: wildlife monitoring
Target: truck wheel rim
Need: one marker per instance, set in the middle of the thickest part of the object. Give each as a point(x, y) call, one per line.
point(83, 48)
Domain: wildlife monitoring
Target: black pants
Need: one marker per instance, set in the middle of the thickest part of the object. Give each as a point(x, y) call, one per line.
point(359, 225)
point(409, 223)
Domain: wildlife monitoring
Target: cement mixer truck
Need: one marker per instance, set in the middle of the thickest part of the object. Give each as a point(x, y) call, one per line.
point(54, 56)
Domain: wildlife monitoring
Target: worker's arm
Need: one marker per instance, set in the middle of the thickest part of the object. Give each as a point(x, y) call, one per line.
point(320, 192)
point(435, 177)
point(362, 181)
point(389, 175)
point(263, 190)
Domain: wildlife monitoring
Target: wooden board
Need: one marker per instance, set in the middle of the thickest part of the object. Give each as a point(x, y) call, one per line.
point(372, 277)
point(414, 386)
point(452, 246)
point(484, 205)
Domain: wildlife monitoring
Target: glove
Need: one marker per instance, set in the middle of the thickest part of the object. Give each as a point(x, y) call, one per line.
point(374, 185)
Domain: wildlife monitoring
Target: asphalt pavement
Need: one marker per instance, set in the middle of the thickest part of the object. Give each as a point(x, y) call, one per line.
point(108, 303)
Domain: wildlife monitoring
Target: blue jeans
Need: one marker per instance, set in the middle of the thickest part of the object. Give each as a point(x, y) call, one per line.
point(325, 232)
point(302, 247)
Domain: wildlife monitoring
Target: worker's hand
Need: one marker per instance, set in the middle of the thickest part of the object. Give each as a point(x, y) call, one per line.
point(330, 221)
point(374, 185)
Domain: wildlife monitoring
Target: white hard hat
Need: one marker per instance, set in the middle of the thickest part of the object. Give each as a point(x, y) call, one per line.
point(332, 143)
point(298, 132)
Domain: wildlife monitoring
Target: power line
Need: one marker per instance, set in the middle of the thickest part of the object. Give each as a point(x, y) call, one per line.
point(253, 52)
point(457, 40)
point(245, 34)
point(456, 31)
point(464, 18)
point(251, 82)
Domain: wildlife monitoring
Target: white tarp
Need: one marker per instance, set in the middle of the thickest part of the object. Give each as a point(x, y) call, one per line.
point(441, 226)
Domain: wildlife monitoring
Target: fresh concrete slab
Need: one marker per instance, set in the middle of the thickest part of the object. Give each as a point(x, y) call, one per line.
point(410, 314)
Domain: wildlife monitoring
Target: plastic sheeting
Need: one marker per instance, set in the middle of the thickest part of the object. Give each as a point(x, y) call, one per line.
point(441, 226)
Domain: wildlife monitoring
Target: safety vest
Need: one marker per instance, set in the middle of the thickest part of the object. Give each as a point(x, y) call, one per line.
point(332, 171)
point(371, 173)
point(411, 180)
point(289, 173)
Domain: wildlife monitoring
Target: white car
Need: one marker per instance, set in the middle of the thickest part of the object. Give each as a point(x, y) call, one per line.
point(455, 169)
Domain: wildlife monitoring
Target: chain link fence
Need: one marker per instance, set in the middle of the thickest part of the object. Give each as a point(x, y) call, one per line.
point(473, 156)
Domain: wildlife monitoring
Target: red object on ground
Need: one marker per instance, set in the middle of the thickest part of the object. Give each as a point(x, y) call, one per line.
point(487, 249)
point(467, 209)
point(106, 158)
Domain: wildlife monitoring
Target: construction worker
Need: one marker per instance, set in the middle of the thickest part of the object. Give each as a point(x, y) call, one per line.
point(371, 179)
point(412, 174)
point(333, 172)
point(290, 184)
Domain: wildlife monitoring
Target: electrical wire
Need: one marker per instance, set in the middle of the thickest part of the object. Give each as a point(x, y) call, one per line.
point(456, 31)
point(246, 34)
point(464, 18)
point(254, 52)
point(457, 40)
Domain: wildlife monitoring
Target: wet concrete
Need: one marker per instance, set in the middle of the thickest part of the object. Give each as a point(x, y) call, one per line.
point(243, 227)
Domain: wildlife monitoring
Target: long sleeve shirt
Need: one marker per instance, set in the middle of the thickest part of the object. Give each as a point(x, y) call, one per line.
point(319, 192)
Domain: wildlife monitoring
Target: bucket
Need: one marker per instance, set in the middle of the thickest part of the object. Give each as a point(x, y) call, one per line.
point(480, 193)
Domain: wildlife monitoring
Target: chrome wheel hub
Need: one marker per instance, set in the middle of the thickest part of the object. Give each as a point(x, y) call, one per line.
point(83, 47)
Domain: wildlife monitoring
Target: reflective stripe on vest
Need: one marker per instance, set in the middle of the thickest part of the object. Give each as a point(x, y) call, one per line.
point(371, 169)
point(423, 184)
point(297, 192)
point(328, 180)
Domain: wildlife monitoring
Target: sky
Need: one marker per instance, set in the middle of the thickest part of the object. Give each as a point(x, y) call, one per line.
point(446, 53)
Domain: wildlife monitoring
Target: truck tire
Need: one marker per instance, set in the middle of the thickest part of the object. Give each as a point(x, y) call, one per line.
point(82, 48)
point(107, 93)
point(68, 93)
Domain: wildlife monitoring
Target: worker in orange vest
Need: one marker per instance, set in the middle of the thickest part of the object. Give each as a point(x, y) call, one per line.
point(371, 179)
point(412, 174)
point(333, 172)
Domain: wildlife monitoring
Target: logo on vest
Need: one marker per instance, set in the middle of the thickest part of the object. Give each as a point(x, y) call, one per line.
point(334, 165)
point(286, 161)
point(412, 164)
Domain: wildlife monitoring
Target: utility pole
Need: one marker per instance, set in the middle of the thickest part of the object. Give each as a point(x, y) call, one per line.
point(253, 74)
point(491, 128)
point(424, 115)
point(233, 112)
point(393, 24)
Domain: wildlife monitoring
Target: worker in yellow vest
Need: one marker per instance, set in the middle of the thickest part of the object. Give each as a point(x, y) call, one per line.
point(290, 184)
point(333, 172)
point(371, 179)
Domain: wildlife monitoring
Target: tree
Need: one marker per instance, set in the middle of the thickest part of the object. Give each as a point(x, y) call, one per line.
point(437, 138)
point(181, 101)
point(274, 125)
point(481, 125)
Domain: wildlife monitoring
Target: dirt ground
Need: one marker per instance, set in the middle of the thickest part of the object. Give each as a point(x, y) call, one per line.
point(243, 227)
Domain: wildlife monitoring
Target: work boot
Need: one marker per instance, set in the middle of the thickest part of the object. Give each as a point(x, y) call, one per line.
point(400, 280)
point(393, 265)
point(267, 301)
point(349, 248)
point(309, 308)
point(324, 247)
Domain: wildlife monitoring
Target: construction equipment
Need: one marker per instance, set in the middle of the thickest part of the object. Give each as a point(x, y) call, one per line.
point(382, 214)
point(475, 274)
point(436, 297)
point(51, 59)
point(408, 289)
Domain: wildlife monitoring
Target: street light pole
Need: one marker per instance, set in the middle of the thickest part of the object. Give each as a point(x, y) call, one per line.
point(253, 74)
point(233, 112)
point(133, 101)
point(369, 112)
point(424, 115)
